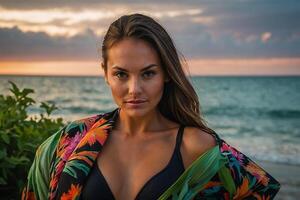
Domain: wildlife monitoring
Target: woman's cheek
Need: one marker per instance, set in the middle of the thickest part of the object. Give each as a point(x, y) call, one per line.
point(118, 93)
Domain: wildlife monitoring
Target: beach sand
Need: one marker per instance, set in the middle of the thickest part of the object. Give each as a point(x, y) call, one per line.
point(287, 175)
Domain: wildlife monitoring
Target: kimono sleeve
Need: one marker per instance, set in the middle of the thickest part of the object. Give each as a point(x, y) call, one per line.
point(39, 174)
point(251, 180)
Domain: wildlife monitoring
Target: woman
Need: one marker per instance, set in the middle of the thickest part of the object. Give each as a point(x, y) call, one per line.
point(154, 145)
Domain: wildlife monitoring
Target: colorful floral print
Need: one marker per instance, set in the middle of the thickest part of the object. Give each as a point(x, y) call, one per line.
point(81, 141)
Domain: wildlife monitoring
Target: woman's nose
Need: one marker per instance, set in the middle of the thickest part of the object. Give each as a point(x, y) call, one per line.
point(134, 86)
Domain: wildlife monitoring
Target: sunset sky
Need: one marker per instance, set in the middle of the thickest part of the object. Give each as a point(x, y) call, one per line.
point(217, 37)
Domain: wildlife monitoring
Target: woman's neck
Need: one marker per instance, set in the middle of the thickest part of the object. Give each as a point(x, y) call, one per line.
point(138, 125)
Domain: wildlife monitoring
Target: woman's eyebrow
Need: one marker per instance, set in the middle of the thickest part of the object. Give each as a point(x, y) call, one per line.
point(144, 69)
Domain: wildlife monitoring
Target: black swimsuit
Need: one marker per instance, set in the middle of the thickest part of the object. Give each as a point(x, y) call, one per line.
point(97, 188)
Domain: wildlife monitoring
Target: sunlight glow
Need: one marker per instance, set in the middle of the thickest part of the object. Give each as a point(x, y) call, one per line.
point(208, 67)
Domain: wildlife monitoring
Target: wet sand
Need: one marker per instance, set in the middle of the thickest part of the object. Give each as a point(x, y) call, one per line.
point(288, 176)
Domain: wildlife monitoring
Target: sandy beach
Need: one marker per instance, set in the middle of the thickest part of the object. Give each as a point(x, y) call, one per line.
point(288, 176)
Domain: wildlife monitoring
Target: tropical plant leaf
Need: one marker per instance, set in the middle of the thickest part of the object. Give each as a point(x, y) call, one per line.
point(20, 136)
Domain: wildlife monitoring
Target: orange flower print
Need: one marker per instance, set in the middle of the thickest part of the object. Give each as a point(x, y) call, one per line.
point(86, 156)
point(256, 171)
point(243, 190)
point(53, 182)
point(94, 135)
point(73, 193)
point(99, 123)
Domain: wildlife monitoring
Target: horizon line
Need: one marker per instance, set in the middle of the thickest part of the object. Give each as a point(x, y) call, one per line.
point(191, 75)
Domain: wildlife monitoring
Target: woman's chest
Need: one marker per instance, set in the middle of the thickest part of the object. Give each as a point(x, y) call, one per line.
point(127, 168)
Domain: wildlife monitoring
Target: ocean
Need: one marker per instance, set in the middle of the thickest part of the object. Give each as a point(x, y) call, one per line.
point(260, 116)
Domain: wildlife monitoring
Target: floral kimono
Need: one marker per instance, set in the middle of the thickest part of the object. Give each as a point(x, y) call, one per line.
point(63, 162)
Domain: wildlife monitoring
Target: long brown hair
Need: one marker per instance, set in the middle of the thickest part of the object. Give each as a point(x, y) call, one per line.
point(179, 101)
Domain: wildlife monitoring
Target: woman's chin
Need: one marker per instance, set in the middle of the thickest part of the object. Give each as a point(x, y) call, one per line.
point(135, 112)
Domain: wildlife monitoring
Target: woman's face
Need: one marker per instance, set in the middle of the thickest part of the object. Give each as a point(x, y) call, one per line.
point(135, 76)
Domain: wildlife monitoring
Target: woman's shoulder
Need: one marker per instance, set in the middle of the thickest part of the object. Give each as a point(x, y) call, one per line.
point(250, 179)
point(195, 142)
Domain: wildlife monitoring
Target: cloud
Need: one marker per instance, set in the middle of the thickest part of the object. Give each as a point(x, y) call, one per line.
point(49, 15)
point(60, 29)
point(255, 17)
point(18, 45)
point(68, 22)
point(80, 4)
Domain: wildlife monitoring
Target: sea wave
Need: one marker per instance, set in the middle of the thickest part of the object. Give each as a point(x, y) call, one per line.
point(254, 112)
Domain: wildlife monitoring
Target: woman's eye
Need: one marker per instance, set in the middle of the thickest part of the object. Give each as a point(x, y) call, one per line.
point(120, 75)
point(148, 74)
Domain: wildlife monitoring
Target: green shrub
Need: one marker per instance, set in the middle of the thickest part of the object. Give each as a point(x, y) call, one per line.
point(20, 136)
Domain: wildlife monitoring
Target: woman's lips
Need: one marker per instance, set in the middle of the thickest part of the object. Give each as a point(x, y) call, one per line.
point(135, 103)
